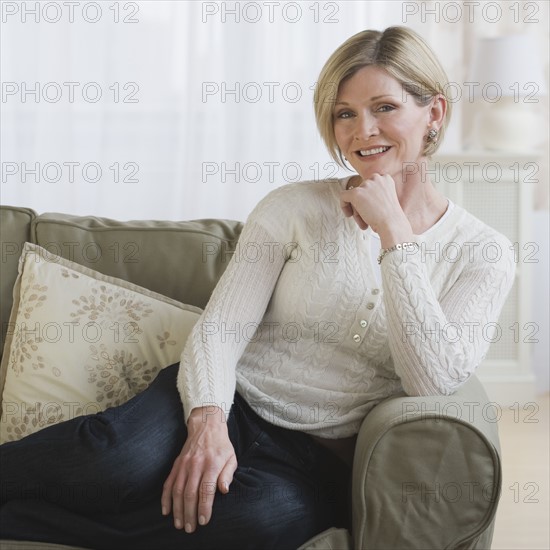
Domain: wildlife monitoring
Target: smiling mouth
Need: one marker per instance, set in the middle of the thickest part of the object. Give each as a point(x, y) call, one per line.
point(371, 152)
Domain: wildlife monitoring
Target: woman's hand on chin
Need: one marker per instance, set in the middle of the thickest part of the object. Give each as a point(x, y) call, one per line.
point(374, 203)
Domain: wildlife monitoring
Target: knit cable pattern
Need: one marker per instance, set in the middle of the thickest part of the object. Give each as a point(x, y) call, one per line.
point(324, 343)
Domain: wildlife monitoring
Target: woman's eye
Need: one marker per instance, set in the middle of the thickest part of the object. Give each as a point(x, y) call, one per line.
point(344, 114)
point(385, 108)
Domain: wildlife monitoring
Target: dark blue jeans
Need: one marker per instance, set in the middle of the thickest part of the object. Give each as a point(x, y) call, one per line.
point(96, 481)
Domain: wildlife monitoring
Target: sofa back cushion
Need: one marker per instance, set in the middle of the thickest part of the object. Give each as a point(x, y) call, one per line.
point(15, 229)
point(182, 260)
point(179, 259)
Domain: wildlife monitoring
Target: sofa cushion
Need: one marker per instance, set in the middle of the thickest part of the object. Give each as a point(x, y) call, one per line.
point(80, 342)
point(179, 259)
point(15, 228)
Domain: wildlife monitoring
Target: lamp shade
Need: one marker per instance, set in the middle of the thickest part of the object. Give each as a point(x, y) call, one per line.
point(511, 62)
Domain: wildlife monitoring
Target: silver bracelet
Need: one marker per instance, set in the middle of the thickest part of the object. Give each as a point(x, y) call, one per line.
point(401, 246)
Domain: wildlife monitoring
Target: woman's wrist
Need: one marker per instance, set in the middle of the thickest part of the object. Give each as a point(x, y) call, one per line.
point(405, 247)
point(210, 415)
point(390, 236)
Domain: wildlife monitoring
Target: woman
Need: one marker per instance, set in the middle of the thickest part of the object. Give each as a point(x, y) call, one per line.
point(347, 304)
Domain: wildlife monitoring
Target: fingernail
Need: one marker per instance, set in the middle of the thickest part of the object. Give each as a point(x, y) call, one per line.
point(178, 523)
point(164, 511)
point(202, 520)
point(188, 528)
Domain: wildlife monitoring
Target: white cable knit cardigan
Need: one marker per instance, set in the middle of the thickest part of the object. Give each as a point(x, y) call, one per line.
point(300, 327)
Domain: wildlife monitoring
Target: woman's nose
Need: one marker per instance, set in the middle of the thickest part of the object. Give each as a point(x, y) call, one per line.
point(367, 126)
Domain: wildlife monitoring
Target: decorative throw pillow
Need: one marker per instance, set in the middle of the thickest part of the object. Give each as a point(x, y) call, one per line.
point(79, 342)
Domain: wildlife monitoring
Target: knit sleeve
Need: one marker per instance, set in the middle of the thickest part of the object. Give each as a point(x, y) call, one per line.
point(437, 344)
point(207, 372)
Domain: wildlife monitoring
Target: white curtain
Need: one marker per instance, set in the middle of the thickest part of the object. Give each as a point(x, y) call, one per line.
point(202, 112)
point(204, 107)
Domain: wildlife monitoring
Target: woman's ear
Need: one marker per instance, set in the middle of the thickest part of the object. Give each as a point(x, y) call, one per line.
point(438, 110)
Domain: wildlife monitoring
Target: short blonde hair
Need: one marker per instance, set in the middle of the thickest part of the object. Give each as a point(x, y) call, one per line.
point(398, 50)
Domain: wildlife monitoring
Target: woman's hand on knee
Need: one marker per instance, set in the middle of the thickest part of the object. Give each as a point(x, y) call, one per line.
point(207, 462)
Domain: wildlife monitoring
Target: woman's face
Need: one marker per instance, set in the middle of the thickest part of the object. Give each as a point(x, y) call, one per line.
point(378, 126)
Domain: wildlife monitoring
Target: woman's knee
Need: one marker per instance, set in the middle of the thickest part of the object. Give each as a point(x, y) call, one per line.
point(134, 445)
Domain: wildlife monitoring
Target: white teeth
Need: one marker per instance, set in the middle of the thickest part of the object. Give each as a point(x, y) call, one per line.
point(373, 151)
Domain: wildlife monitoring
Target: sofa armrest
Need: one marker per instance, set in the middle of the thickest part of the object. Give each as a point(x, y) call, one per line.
point(427, 472)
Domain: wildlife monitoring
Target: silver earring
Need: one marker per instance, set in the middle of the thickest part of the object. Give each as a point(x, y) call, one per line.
point(432, 135)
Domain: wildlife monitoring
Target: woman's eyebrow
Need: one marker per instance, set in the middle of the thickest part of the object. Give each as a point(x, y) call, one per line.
point(374, 98)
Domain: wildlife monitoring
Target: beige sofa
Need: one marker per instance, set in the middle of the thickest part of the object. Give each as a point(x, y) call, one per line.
point(427, 471)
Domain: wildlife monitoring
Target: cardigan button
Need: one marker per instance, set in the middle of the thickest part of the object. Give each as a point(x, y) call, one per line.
point(363, 323)
point(356, 338)
point(370, 305)
point(375, 291)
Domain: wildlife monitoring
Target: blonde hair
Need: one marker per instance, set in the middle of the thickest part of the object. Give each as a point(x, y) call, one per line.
point(398, 50)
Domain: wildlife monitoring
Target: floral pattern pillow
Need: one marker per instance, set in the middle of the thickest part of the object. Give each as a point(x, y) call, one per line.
point(79, 342)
